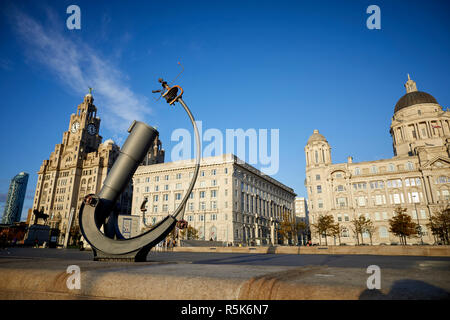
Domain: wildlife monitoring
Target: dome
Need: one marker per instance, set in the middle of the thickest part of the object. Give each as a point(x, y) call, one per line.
point(316, 136)
point(412, 98)
point(109, 141)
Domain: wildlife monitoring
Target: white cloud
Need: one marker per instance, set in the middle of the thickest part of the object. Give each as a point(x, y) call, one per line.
point(79, 66)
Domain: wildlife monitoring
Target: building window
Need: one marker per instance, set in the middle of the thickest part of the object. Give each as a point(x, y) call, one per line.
point(178, 186)
point(320, 203)
point(317, 177)
point(155, 198)
point(191, 206)
point(383, 232)
point(166, 177)
point(357, 171)
point(202, 194)
point(409, 166)
point(341, 202)
point(202, 206)
point(202, 173)
point(177, 196)
point(213, 193)
point(213, 172)
point(166, 187)
point(340, 188)
point(339, 217)
point(165, 208)
point(213, 205)
point(156, 179)
point(346, 217)
point(319, 189)
point(178, 176)
point(156, 188)
point(155, 209)
point(345, 233)
point(214, 183)
point(373, 169)
point(165, 197)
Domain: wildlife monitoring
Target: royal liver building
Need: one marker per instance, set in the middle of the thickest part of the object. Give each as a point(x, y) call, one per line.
point(78, 166)
point(416, 178)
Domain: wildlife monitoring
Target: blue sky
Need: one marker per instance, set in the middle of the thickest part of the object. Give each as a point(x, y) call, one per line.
point(295, 66)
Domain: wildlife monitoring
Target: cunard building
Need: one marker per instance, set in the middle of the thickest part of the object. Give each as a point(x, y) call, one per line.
point(78, 166)
point(416, 178)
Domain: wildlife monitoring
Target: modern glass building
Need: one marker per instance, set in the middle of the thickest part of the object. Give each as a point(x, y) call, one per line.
point(16, 197)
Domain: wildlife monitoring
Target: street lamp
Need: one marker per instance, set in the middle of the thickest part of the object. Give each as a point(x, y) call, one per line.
point(417, 216)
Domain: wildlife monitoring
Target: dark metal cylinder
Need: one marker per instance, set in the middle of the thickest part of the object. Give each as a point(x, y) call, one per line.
point(131, 156)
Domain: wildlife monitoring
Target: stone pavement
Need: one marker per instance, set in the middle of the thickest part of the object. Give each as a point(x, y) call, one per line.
point(31, 277)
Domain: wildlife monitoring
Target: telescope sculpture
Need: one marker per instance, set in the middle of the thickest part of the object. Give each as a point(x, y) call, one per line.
point(97, 209)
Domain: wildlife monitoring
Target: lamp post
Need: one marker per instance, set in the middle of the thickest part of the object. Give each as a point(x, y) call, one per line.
point(417, 216)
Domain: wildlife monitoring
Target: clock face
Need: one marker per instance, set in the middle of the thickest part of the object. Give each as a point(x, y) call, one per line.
point(91, 129)
point(75, 126)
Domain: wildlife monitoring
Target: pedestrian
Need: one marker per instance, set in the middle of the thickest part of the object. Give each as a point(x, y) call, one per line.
point(36, 243)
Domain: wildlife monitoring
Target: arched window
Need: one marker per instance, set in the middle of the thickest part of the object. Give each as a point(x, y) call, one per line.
point(373, 169)
point(383, 232)
point(345, 233)
point(316, 156)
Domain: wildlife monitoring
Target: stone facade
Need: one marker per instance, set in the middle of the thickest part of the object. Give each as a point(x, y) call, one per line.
point(416, 178)
point(78, 166)
point(231, 200)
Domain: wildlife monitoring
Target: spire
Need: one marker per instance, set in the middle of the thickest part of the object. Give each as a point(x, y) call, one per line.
point(410, 85)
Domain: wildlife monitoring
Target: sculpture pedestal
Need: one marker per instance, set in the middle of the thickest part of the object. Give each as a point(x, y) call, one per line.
point(39, 232)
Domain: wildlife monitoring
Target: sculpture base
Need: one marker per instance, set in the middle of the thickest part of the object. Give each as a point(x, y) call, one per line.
point(37, 232)
point(135, 256)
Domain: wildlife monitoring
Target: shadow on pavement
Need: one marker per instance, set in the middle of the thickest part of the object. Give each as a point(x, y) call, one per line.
point(407, 289)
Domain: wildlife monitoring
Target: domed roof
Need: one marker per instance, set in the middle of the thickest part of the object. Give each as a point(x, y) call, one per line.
point(109, 141)
point(316, 136)
point(412, 98)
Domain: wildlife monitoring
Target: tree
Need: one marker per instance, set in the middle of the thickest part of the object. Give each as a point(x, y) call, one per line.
point(402, 225)
point(324, 226)
point(288, 226)
point(190, 233)
point(370, 228)
point(336, 231)
point(440, 225)
point(357, 225)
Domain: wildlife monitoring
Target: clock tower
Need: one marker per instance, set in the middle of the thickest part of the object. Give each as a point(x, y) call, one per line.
point(84, 126)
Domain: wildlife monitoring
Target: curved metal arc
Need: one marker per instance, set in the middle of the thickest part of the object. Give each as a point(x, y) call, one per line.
point(179, 212)
point(148, 239)
point(121, 246)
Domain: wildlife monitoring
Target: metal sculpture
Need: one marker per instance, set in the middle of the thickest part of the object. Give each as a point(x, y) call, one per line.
point(97, 210)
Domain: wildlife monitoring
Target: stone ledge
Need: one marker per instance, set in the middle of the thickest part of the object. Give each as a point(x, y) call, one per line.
point(429, 251)
point(46, 279)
